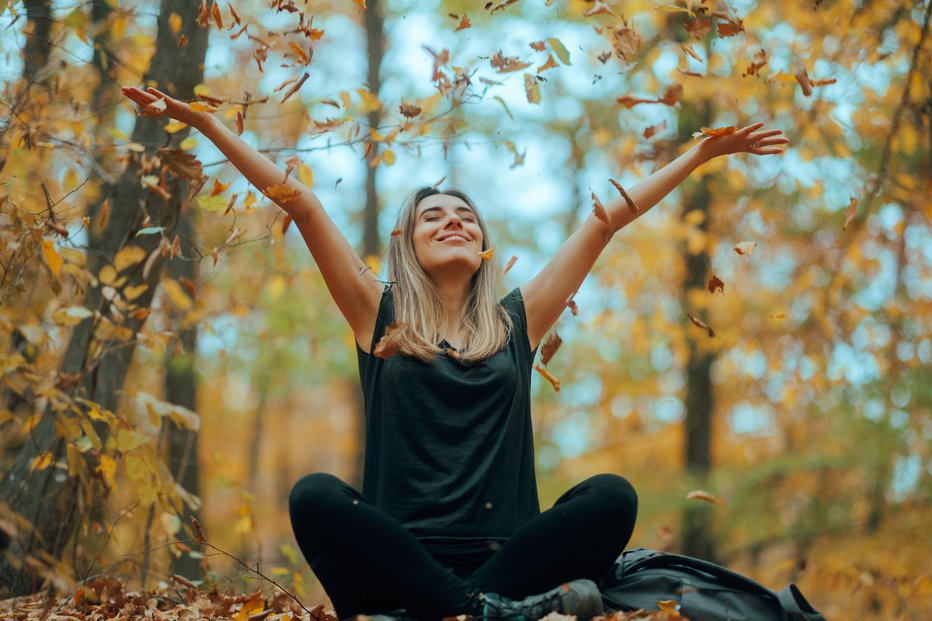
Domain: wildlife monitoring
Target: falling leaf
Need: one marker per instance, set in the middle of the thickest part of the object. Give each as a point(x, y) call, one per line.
point(487, 254)
point(632, 206)
point(716, 283)
point(464, 23)
point(560, 50)
point(361, 4)
point(669, 607)
point(672, 95)
point(550, 346)
point(550, 64)
point(745, 248)
point(598, 209)
point(510, 263)
point(41, 462)
point(409, 111)
point(689, 50)
point(174, 22)
point(778, 316)
point(626, 42)
point(803, 79)
point(507, 64)
point(157, 107)
point(700, 324)
point(389, 344)
point(822, 82)
point(181, 163)
point(219, 187)
point(52, 257)
point(699, 27)
point(286, 222)
point(706, 496)
point(729, 27)
point(653, 129)
point(437, 185)
point(850, 212)
point(299, 52)
point(215, 13)
point(498, 7)
point(396, 232)
point(714, 132)
point(598, 8)
point(550, 378)
point(759, 60)
point(294, 89)
point(282, 193)
point(539, 46)
point(572, 305)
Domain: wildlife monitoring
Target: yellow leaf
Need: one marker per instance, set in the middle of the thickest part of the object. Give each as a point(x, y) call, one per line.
point(243, 526)
point(107, 275)
point(306, 175)
point(41, 462)
point(201, 91)
point(71, 316)
point(174, 126)
point(188, 143)
point(131, 293)
point(370, 102)
point(177, 294)
point(117, 134)
point(136, 468)
point(71, 179)
point(51, 257)
point(129, 255)
point(73, 256)
point(127, 440)
point(174, 22)
point(388, 156)
point(107, 468)
point(211, 203)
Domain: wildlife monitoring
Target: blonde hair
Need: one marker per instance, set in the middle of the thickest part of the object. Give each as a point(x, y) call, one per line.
point(417, 301)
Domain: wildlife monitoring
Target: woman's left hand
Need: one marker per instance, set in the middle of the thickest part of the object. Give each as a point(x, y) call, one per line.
point(750, 139)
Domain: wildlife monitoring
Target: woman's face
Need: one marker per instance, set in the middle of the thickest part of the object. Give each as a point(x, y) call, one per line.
point(446, 235)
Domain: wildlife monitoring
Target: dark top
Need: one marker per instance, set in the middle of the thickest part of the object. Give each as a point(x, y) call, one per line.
point(449, 447)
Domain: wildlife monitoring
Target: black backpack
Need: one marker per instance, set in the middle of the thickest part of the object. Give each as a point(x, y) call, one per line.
point(704, 591)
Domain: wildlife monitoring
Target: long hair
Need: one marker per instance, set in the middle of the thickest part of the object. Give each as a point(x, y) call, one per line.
point(417, 301)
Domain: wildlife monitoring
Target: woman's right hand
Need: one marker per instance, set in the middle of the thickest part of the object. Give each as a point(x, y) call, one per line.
point(175, 109)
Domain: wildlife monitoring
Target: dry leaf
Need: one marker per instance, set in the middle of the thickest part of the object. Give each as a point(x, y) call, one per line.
point(409, 111)
point(219, 187)
point(550, 346)
point(598, 209)
point(850, 212)
point(689, 50)
point(510, 263)
point(538, 46)
point(632, 206)
point(487, 254)
point(717, 131)
point(553, 381)
point(701, 324)
point(294, 89)
point(507, 64)
point(282, 193)
point(286, 223)
point(716, 283)
point(804, 82)
point(389, 344)
point(730, 27)
point(396, 232)
point(745, 248)
point(698, 28)
point(626, 42)
point(653, 129)
point(550, 64)
point(758, 61)
point(464, 23)
point(598, 8)
point(706, 496)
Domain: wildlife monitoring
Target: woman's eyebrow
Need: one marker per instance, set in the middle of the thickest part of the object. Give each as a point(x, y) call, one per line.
point(460, 208)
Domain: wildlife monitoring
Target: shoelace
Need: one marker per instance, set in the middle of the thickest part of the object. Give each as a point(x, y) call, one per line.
point(506, 609)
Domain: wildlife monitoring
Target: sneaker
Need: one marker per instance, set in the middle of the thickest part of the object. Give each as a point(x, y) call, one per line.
point(580, 598)
point(395, 615)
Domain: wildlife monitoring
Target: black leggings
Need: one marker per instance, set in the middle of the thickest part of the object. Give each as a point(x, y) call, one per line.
point(369, 563)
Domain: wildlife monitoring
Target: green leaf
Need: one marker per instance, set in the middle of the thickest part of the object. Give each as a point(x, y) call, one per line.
point(505, 106)
point(150, 230)
point(212, 203)
point(560, 50)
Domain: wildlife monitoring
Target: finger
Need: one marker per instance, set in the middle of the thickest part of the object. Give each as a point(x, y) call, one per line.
point(766, 134)
point(750, 128)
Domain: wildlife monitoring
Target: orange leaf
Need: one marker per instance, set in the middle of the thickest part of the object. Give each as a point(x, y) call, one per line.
point(706, 496)
point(389, 344)
point(487, 254)
point(286, 223)
point(189, 285)
point(282, 193)
point(396, 232)
point(689, 50)
point(215, 13)
point(299, 52)
point(632, 206)
point(464, 23)
point(804, 82)
point(718, 131)
point(653, 129)
point(716, 283)
point(598, 209)
point(538, 45)
point(730, 27)
point(550, 346)
point(553, 381)
point(550, 64)
point(850, 212)
point(572, 305)
point(219, 187)
point(511, 262)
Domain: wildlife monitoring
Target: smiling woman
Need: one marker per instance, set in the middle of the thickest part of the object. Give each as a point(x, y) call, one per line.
point(448, 521)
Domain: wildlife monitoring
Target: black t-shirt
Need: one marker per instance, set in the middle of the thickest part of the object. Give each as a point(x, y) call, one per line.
point(449, 446)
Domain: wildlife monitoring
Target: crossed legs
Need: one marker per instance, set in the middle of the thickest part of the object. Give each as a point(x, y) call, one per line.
point(369, 563)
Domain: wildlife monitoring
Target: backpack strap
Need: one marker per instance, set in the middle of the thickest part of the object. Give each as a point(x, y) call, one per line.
point(796, 606)
point(642, 559)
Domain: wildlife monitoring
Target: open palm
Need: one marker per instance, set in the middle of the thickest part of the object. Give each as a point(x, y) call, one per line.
point(173, 108)
point(750, 139)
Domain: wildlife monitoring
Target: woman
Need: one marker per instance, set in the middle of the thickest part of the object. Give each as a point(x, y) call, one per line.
point(448, 521)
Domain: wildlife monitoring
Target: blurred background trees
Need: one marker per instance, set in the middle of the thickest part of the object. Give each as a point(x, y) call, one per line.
point(807, 414)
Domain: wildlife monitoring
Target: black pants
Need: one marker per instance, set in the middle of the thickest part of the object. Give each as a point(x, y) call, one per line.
point(369, 563)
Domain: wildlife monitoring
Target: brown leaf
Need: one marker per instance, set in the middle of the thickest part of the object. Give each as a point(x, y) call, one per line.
point(706, 496)
point(716, 283)
point(730, 26)
point(699, 27)
point(215, 13)
point(181, 579)
point(464, 23)
point(189, 285)
point(598, 8)
point(538, 45)
point(572, 305)
point(409, 111)
point(507, 64)
point(804, 82)
point(758, 61)
point(632, 206)
point(626, 42)
point(396, 232)
point(282, 193)
point(294, 89)
point(550, 64)
point(286, 223)
point(653, 129)
point(689, 50)
point(550, 346)
point(598, 209)
point(550, 378)
point(850, 212)
point(510, 263)
point(181, 163)
point(389, 344)
point(672, 94)
point(203, 14)
point(700, 324)
point(239, 124)
point(745, 248)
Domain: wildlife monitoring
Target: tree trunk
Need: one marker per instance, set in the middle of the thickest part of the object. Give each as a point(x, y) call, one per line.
point(38, 39)
point(371, 243)
point(697, 535)
point(181, 389)
point(52, 501)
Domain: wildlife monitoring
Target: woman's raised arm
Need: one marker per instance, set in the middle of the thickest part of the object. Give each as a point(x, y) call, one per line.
point(354, 288)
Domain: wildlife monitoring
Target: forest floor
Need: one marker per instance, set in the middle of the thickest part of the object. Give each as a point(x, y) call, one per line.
point(105, 598)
